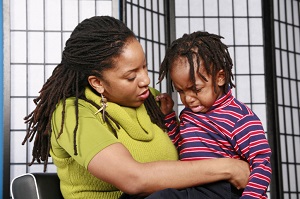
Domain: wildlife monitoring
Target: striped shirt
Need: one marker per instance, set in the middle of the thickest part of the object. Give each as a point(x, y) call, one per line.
point(229, 129)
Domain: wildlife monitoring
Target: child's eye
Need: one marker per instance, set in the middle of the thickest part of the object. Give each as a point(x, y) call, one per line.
point(198, 90)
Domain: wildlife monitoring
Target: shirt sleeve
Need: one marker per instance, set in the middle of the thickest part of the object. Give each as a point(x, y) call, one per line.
point(172, 125)
point(92, 135)
point(250, 141)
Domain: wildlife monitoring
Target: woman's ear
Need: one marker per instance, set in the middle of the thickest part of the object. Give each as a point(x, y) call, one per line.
point(220, 78)
point(96, 84)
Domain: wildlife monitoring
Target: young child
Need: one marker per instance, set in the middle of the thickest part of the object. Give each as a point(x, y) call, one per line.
point(213, 123)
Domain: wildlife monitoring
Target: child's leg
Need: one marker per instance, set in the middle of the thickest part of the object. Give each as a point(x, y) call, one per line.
point(218, 190)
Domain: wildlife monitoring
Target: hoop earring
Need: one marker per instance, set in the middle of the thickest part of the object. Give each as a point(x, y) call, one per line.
point(103, 106)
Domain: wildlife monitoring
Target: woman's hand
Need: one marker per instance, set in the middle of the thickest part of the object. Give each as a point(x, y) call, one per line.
point(166, 103)
point(240, 172)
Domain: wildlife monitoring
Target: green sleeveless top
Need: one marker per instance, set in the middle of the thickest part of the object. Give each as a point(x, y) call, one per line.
point(145, 141)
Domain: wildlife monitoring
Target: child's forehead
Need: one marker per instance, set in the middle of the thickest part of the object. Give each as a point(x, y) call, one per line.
point(181, 63)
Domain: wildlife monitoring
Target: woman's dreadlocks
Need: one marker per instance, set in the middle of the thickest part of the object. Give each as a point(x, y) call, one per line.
point(92, 48)
point(200, 46)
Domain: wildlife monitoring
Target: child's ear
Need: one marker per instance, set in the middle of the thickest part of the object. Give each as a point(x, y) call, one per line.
point(96, 84)
point(220, 78)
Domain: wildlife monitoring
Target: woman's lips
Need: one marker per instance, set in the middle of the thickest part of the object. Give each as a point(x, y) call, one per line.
point(144, 95)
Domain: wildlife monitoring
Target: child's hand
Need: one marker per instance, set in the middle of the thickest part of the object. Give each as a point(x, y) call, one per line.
point(166, 103)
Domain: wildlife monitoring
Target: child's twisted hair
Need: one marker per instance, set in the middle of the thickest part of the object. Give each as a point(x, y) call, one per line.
point(200, 46)
point(91, 48)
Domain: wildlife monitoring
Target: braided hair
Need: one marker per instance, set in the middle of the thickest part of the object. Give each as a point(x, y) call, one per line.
point(92, 48)
point(200, 46)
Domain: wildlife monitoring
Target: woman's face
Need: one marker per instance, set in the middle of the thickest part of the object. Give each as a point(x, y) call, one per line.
point(127, 82)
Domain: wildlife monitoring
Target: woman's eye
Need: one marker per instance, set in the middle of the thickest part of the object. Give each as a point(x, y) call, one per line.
point(131, 79)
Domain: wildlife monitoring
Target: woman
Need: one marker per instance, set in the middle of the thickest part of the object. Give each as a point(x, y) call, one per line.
point(98, 119)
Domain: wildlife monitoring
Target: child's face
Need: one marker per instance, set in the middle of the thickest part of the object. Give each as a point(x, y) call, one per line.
point(205, 95)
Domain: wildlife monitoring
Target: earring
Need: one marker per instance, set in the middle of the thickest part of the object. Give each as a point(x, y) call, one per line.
point(103, 106)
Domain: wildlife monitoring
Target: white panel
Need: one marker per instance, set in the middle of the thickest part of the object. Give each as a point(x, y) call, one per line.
point(254, 8)
point(181, 8)
point(297, 40)
point(257, 60)
point(298, 70)
point(283, 36)
point(87, 9)
point(258, 88)
point(243, 84)
point(18, 80)
point(290, 38)
point(162, 6)
point(148, 25)
point(183, 24)
point(286, 92)
point(260, 111)
point(296, 126)
point(162, 29)
point(53, 47)
point(293, 87)
point(18, 111)
point(211, 25)
point(289, 11)
point(255, 31)
point(196, 7)
point(18, 18)
point(18, 47)
point(16, 147)
point(226, 30)
point(284, 64)
point(53, 14)
point(296, 16)
point(154, 6)
point(155, 27)
point(292, 66)
point(196, 24)
point(70, 14)
point(156, 57)
point(35, 14)
point(150, 55)
point(211, 8)
point(226, 8)
point(104, 8)
point(240, 7)
point(35, 47)
point(241, 31)
point(242, 61)
point(35, 79)
point(279, 91)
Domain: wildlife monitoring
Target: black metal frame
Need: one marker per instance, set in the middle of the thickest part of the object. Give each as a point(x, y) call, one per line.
point(276, 185)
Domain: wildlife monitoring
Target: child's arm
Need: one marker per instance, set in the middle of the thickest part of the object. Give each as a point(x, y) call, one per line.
point(171, 122)
point(252, 144)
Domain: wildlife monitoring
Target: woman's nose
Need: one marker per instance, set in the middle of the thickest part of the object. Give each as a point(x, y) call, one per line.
point(145, 80)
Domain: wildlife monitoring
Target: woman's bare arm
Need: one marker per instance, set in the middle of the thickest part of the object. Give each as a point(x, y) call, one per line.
point(115, 165)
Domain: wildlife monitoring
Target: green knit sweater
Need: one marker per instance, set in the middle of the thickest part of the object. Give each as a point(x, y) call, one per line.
point(145, 141)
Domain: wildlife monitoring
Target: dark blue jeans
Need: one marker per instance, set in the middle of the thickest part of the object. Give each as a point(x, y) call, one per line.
point(218, 190)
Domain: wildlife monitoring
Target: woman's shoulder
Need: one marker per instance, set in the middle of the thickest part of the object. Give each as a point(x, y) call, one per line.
point(154, 91)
